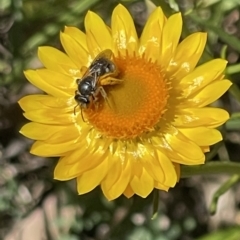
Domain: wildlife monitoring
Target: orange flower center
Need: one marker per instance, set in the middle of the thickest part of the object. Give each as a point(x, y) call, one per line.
point(136, 105)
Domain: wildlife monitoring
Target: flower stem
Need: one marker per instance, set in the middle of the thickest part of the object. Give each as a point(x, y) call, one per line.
point(217, 167)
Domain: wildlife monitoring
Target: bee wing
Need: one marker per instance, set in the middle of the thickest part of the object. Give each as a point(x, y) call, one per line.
point(84, 70)
point(107, 53)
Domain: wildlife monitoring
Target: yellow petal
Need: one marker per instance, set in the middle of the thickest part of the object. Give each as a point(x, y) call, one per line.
point(205, 117)
point(209, 94)
point(170, 38)
point(161, 186)
point(128, 192)
point(36, 102)
point(92, 178)
point(65, 172)
point(114, 173)
point(52, 116)
point(123, 32)
point(151, 35)
point(98, 35)
point(137, 168)
point(49, 110)
point(202, 136)
point(54, 134)
point(113, 188)
point(77, 35)
point(187, 55)
point(154, 168)
point(56, 60)
point(34, 78)
point(205, 149)
point(168, 169)
point(144, 185)
point(78, 54)
point(157, 164)
point(66, 84)
point(181, 145)
point(69, 166)
point(45, 149)
point(75, 163)
point(202, 76)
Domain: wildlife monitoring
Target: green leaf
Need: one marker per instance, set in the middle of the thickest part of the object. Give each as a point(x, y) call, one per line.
point(233, 69)
point(235, 91)
point(232, 233)
point(221, 190)
point(225, 37)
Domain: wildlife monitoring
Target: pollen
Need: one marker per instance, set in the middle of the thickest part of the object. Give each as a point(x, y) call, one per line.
point(136, 105)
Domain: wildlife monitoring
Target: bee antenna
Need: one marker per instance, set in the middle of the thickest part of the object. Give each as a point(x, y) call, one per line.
point(81, 112)
point(75, 109)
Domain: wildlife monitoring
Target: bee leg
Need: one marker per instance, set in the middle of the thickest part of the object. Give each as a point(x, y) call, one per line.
point(104, 94)
point(102, 91)
point(110, 81)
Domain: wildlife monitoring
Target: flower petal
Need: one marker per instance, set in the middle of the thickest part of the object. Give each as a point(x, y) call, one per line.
point(178, 144)
point(123, 32)
point(48, 116)
point(113, 186)
point(92, 178)
point(186, 57)
point(113, 175)
point(66, 84)
point(55, 134)
point(77, 35)
point(202, 136)
point(98, 35)
point(45, 149)
point(128, 192)
point(34, 78)
point(157, 164)
point(56, 60)
point(36, 102)
point(205, 117)
point(209, 94)
point(153, 167)
point(170, 38)
point(202, 76)
point(168, 169)
point(142, 185)
point(65, 172)
point(77, 162)
point(205, 149)
point(77, 53)
point(161, 186)
point(151, 35)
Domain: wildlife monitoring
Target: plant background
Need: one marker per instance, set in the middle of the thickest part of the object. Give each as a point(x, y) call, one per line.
point(34, 206)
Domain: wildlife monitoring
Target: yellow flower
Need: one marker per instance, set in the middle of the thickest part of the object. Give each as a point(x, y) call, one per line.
point(156, 119)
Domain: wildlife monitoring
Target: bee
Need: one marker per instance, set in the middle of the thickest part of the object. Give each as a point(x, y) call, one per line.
point(101, 72)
